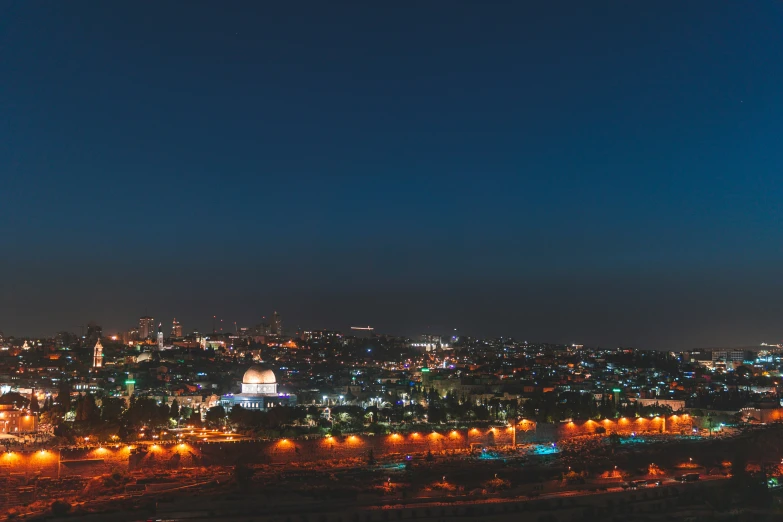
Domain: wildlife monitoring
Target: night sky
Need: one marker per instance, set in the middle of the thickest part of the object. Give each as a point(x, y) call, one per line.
point(595, 172)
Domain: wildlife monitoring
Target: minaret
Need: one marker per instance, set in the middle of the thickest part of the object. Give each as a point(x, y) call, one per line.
point(130, 384)
point(97, 355)
point(160, 336)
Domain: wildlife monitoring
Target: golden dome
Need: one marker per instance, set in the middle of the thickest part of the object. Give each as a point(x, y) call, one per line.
point(259, 375)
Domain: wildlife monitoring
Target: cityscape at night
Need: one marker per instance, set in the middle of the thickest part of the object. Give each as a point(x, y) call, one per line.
point(143, 421)
point(504, 261)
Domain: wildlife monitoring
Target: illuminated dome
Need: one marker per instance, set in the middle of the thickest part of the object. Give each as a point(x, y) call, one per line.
point(259, 392)
point(259, 375)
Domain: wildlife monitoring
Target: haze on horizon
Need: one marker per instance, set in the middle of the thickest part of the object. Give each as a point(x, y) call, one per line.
point(601, 174)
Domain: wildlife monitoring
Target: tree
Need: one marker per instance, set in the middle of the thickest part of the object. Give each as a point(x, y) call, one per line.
point(112, 409)
point(174, 413)
point(163, 414)
point(86, 409)
point(238, 416)
point(144, 411)
point(216, 415)
point(185, 412)
point(614, 441)
point(63, 399)
point(60, 508)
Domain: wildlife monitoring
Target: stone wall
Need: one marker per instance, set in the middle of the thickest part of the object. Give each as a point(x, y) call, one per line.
point(95, 461)
point(29, 464)
point(676, 424)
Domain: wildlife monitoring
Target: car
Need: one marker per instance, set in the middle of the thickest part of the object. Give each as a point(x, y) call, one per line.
point(653, 483)
point(688, 477)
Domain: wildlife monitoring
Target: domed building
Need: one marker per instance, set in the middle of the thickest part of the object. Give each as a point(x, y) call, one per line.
point(259, 392)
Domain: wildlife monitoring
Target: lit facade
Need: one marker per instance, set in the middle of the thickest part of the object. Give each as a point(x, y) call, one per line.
point(97, 355)
point(146, 327)
point(176, 328)
point(15, 421)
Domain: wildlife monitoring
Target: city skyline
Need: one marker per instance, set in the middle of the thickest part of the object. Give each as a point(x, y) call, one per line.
point(556, 171)
point(453, 260)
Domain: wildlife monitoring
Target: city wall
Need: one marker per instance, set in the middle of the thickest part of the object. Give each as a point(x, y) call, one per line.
point(675, 425)
point(105, 459)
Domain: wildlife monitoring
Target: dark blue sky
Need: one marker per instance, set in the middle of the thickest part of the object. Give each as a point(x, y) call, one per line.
point(564, 171)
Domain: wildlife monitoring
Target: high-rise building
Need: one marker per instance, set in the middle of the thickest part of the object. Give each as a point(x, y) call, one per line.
point(65, 340)
point(263, 329)
point(97, 355)
point(131, 336)
point(146, 327)
point(277, 325)
point(176, 328)
point(94, 331)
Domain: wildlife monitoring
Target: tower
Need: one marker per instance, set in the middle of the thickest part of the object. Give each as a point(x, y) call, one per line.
point(146, 327)
point(160, 336)
point(277, 325)
point(97, 355)
point(176, 328)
